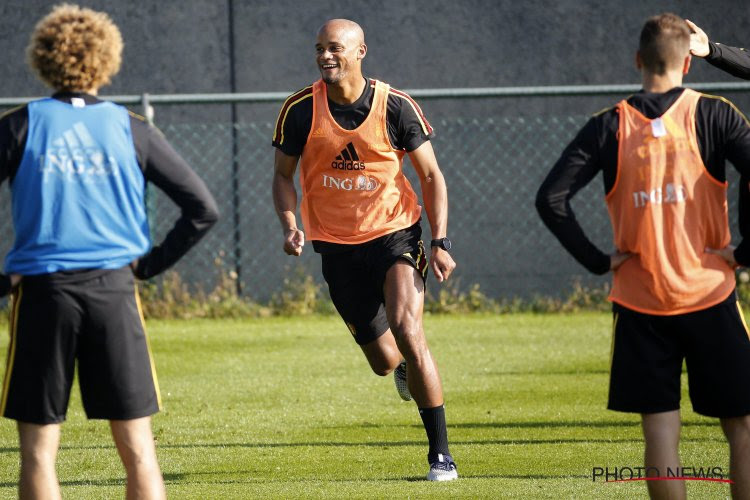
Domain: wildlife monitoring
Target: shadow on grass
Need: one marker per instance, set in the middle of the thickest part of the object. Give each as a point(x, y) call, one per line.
point(194, 477)
point(460, 425)
point(120, 481)
point(383, 444)
point(523, 425)
point(98, 482)
point(366, 480)
point(543, 424)
point(410, 479)
point(546, 373)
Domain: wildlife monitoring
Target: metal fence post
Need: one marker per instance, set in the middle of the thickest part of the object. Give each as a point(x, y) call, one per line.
point(235, 160)
point(148, 109)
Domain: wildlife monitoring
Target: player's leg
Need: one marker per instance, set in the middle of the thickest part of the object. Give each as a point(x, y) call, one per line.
point(404, 299)
point(719, 351)
point(399, 264)
point(117, 375)
point(661, 433)
point(39, 444)
point(40, 369)
point(404, 302)
point(359, 303)
point(135, 444)
point(646, 366)
point(737, 431)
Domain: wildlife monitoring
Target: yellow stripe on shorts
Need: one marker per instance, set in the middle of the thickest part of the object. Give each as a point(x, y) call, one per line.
point(612, 343)
point(742, 317)
point(16, 301)
point(148, 347)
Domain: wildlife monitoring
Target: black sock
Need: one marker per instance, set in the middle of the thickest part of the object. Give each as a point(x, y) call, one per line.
point(437, 433)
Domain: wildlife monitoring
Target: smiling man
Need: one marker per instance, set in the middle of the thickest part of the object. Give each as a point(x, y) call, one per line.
point(350, 134)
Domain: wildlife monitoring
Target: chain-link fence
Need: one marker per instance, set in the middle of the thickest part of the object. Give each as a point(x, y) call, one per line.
point(493, 165)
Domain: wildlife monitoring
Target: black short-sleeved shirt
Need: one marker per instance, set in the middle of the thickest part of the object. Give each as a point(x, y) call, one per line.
point(407, 127)
point(723, 134)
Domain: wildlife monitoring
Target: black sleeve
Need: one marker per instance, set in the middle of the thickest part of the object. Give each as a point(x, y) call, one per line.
point(577, 166)
point(407, 126)
point(723, 133)
point(742, 252)
point(293, 127)
point(163, 166)
point(13, 128)
point(736, 135)
point(733, 60)
point(4, 285)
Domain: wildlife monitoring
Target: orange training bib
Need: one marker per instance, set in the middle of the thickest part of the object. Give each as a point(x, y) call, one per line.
point(353, 186)
point(666, 209)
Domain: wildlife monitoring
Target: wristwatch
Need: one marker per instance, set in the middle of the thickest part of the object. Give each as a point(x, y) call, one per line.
point(443, 243)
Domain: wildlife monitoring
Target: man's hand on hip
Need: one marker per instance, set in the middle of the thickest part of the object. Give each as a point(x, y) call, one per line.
point(294, 240)
point(726, 253)
point(617, 258)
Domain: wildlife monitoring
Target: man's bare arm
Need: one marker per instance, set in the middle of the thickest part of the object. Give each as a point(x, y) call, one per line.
point(285, 201)
point(435, 195)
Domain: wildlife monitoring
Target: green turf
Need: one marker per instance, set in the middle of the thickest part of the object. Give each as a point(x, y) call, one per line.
point(288, 408)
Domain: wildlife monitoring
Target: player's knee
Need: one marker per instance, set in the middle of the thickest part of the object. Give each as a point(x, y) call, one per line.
point(384, 367)
point(136, 454)
point(411, 342)
point(134, 459)
point(382, 371)
point(407, 330)
point(37, 457)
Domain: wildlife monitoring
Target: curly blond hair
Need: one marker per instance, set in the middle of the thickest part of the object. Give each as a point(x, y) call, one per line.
point(75, 49)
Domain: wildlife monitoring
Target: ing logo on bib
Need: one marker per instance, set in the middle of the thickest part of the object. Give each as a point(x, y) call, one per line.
point(670, 193)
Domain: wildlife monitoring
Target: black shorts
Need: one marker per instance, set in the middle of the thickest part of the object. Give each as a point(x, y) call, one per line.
point(93, 317)
point(356, 277)
point(647, 356)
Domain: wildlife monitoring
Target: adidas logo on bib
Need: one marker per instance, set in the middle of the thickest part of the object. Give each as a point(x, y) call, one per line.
point(348, 159)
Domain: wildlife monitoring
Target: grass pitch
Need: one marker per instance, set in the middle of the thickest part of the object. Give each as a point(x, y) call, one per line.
point(287, 407)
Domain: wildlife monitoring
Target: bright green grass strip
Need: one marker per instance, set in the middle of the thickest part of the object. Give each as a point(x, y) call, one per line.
point(288, 408)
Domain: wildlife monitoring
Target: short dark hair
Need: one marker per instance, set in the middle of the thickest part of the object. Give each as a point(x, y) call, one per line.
point(664, 43)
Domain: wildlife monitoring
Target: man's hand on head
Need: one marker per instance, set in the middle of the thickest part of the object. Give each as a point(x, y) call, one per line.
point(698, 40)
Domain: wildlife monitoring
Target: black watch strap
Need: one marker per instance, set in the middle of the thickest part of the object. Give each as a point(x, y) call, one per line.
point(443, 243)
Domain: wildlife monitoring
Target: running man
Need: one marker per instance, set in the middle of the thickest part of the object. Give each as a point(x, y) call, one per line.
point(733, 60)
point(662, 154)
point(362, 215)
point(77, 168)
